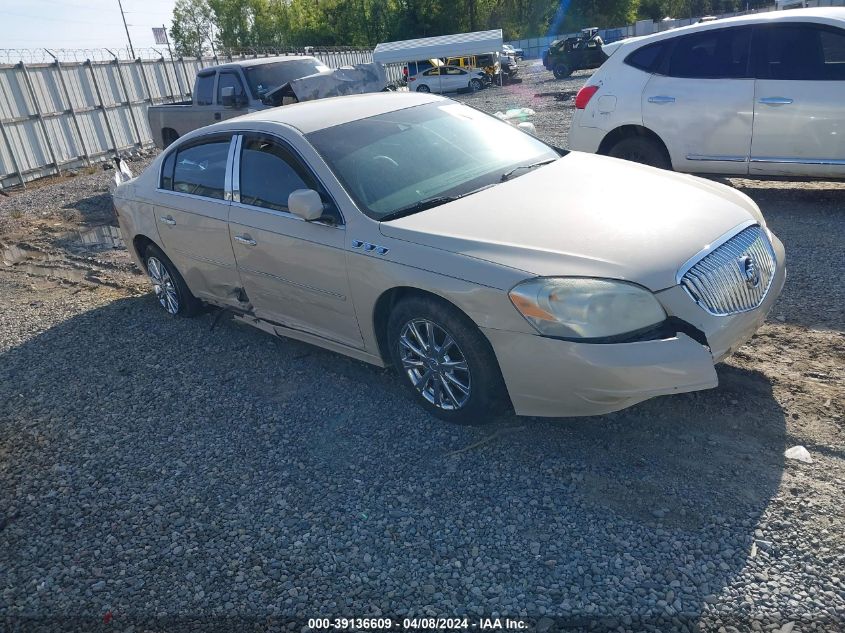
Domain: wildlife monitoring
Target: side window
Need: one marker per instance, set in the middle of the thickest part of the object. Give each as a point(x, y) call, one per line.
point(432, 72)
point(269, 173)
point(801, 52)
point(647, 58)
point(204, 91)
point(167, 172)
point(711, 54)
point(455, 71)
point(201, 169)
point(230, 80)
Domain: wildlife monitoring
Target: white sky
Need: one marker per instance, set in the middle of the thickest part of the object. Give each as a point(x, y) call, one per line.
point(81, 23)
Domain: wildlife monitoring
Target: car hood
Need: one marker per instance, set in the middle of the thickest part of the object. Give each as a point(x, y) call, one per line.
point(585, 215)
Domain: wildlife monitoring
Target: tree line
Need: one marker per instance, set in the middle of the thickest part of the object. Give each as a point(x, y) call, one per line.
point(202, 26)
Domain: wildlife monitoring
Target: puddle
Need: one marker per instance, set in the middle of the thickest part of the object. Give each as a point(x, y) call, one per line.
point(99, 238)
point(18, 253)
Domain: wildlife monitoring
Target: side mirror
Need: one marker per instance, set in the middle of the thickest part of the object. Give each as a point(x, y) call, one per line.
point(227, 96)
point(306, 204)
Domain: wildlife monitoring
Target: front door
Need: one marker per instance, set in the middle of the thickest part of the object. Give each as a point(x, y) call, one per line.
point(700, 101)
point(294, 272)
point(192, 217)
point(799, 106)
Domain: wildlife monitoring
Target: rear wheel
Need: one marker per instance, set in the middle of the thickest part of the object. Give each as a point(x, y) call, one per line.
point(170, 289)
point(423, 88)
point(562, 71)
point(640, 149)
point(445, 362)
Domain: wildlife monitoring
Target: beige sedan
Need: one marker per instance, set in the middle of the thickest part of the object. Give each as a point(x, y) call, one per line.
point(489, 268)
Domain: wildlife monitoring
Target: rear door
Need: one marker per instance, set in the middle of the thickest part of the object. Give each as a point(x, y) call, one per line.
point(700, 101)
point(192, 213)
point(455, 79)
point(799, 106)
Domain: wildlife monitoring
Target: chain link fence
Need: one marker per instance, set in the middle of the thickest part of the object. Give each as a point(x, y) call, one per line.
point(65, 109)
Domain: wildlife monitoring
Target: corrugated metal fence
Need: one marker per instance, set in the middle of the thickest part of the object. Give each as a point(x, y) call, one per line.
point(66, 115)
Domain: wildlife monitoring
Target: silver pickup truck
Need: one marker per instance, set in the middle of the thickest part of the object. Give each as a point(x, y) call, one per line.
point(229, 90)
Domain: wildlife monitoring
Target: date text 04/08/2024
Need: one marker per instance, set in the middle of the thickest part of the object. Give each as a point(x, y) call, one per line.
point(423, 624)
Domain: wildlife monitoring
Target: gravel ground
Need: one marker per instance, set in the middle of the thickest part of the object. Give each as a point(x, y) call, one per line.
point(161, 474)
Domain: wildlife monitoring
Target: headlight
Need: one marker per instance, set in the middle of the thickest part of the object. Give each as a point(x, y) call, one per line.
point(578, 307)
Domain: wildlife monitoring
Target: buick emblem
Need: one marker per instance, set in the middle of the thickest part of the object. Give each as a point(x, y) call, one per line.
point(748, 270)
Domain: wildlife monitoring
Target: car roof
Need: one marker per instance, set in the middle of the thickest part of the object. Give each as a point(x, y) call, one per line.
point(816, 14)
point(310, 116)
point(259, 61)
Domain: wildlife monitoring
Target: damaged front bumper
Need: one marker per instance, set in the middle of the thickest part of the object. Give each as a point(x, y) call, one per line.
point(551, 378)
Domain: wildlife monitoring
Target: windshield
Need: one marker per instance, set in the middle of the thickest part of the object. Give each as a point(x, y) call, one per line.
point(392, 161)
point(266, 77)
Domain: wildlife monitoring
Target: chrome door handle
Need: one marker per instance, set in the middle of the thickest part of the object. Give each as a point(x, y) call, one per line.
point(167, 220)
point(245, 239)
point(776, 100)
point(661, 99)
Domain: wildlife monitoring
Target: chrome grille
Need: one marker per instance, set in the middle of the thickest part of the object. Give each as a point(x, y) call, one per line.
point(723, 281)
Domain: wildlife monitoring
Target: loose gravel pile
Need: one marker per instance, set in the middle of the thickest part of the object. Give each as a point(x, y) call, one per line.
point(166, 474)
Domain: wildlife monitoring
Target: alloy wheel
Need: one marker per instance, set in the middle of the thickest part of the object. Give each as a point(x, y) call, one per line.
point(163, 285)
point(435, 364)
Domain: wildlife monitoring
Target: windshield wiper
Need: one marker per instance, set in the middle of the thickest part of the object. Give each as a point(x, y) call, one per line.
point(422, 205)
point(428, 203)
point(508, 174)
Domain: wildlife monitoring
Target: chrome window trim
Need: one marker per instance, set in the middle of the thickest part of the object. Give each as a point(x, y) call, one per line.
point(709, 248)
point(194, 196)
point(716, 157)
point(227, 181)
point(282, 214)
point(798, 161)
point(226, 177)
point(236, 168)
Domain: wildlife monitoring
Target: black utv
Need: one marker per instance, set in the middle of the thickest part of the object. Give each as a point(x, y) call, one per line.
point(582, 52)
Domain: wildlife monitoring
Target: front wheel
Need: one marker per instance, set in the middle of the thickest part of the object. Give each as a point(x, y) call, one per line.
point(476, 84)
point(423, 88)
point(445, 361)
point(640, 149)
point(170, 289)
point(562, 71)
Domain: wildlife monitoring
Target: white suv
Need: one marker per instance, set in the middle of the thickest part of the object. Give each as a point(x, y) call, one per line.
point(759, 95)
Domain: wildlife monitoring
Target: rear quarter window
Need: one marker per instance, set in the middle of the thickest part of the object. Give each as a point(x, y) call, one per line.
point(647, 58)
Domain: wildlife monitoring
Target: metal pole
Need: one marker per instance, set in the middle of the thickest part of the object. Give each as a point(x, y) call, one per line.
point(11, 147)
point(66, 93)
point(146, 81)
point(167, 39)
point(167, 78)
point(34, 98)
point(128, 100)
point(122, 15)
point(187, 78)
point(102, 105)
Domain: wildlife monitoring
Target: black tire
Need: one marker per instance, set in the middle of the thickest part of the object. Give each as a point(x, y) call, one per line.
point(486, 394)
point(641, 149)
point(562, 71)
point(423, 88)
point(186, 304)
point(476, 84)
